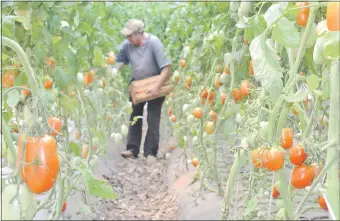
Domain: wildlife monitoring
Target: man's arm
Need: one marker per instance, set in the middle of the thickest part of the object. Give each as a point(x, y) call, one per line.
point(165, 75)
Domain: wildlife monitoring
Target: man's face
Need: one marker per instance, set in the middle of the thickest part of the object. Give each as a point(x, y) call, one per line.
point(135, 38)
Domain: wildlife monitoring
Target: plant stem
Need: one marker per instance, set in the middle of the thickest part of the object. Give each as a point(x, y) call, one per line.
point(285, 193)
point(332, 181)
point(8, 138)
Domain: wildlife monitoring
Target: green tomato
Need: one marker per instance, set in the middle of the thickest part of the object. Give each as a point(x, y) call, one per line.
point(16, 208)
point(190, 118)
point(94, 160)
point(124, 130)
point(318, 51)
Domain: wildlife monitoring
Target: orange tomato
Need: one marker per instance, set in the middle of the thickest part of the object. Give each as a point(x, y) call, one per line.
point(297, 155)
point(250, 68)
point(332, 16)
point(111, 60)
point(226, 69)
point(48, 84)
point(275, 193)
point(8, 79)
point(198, 112)
point(211, 94)
point(255, 157)
point(64, 207)
point(51, 62)
point(302, 17)
point(322, 203)
point(223, 97)
point(302, 176)
point(275, 159)
point(183, 63)
point(244, 88)
point(204, 93)
point(41, 164)
point(212, 116)
point(245, 40)
point(210, 127)
point(84, 151)
point(217, 81)
point(194, 162)
point(172, 147)
point(169, 112)
point(88, 78)
point(173, 118)
point(237, 96)
point(188, 81)
point(287, 138)
point(24, 91)
point(55, 124)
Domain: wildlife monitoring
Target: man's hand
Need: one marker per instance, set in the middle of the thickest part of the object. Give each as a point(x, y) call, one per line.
point(154, 91)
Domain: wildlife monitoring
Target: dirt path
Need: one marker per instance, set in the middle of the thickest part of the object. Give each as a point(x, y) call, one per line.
point(142, 193)
point(142, 190)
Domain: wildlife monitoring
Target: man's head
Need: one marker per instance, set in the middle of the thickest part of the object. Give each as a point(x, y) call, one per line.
point(133, 31)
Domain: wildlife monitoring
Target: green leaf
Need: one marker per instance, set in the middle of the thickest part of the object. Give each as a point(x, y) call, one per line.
point(71, 104)
point(291, 13)
point(84, 27)
point(82, 42)
point(98, 57)
point(39, 52)
point(313, 82)
point(332, 45)
point(266, 67)
point(13, 98)
point(286, 34)
point(21, 79)
point(61, 78)
point(97, 187)
point(46, 97)
point(256, 26)
point(274, 12)
point(75, 148)
point(7, 115)
point(76, 19)
point(25, 22)
point(300, 95)
point(251, 206)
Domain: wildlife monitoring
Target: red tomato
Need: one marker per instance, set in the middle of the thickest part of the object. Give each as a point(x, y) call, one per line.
point(322, 203)
point(275, 193)
point(302, 176)
point(297, 155)
point(275, 159)
point(244, 87)
point(287, 138)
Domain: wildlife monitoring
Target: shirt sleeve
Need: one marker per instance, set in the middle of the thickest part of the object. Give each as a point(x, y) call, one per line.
point(162, 59)
point(122, 55)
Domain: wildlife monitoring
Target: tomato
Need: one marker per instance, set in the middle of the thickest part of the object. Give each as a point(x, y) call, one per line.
point(223, 97)
point(264, 157)
point(211, 95)
point(183, 63)
point(322, 203)
point(275, 193)
point(84, 151)
point(203, 101)
point(40, 161)
point(111, 60)
point(245, 40)
point(169, 112)
point(287, 138)
point(76, 135)
point(255, 158)
point(51, 62)
point(104, 83)
point(332, 16)
point(302, 176)
point(188, 81)
point(198, 112)
point(176, 77)
point(117, 138)
point(226, 70)
point(88, 78)
point(48, 84)
point(297, 155)
point(124, 130)
point(250, 68)
point(212, 116)
point(237, 96)
point(194, 162)
point(73, 94)
point(64, 207)
point(275, 159)
point(8, 79)
point(173, 118)
point(20, 207)
point(210, 127)
point(172, 147)
point(302, 17)
point(217, 81)
point(55, 124)
point(24, 91)
point(244, 88)
point(204, 94)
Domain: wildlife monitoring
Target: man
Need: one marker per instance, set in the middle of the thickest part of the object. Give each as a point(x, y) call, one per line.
point(144, 52)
